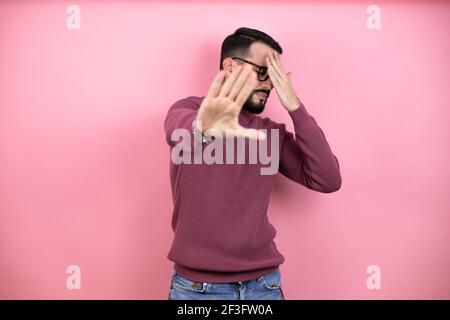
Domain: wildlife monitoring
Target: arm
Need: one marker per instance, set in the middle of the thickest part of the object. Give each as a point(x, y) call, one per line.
point(180, 115)
point(306, 158)
point(220, 108)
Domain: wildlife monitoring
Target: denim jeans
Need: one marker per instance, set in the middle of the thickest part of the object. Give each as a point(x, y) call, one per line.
point(264, 288)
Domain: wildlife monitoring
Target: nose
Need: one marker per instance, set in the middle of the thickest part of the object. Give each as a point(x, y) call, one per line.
point(267, 84)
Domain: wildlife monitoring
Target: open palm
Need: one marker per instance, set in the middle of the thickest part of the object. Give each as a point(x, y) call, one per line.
point(221, 107)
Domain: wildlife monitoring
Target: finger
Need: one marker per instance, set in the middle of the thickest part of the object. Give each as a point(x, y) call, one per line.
point(247, 89)
point(225, 90)
point(240, 82)
point(271, 64)
point(274, 77)
point(214, 89)
point(278, 60)
point(290, 76)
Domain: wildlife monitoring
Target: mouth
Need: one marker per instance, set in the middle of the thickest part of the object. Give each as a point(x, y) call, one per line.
point(262, 95)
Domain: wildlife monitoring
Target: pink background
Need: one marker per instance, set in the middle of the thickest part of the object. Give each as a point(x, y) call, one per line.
point(84, 166)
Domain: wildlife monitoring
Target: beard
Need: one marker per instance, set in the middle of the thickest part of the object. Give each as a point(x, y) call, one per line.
point(254, 103)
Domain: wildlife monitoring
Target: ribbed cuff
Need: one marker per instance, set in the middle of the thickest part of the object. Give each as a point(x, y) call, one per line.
point(300, 114)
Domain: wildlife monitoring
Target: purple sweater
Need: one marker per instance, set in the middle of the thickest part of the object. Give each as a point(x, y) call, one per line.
point(221, 229)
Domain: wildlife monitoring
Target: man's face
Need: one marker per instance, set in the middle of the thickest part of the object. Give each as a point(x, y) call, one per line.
point(258, 98)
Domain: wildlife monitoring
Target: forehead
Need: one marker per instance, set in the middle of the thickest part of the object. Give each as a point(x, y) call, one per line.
point(259, 51)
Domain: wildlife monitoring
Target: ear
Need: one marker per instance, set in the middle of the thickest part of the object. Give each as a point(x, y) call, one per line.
point(227, 65)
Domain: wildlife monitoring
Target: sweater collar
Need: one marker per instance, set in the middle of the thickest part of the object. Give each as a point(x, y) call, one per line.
point(246, 117)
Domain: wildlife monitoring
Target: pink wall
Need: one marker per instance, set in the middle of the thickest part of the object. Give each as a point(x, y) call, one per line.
point(84, 165)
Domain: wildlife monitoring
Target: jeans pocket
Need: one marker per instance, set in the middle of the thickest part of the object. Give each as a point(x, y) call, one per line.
point(181, 283)
point(272, 281)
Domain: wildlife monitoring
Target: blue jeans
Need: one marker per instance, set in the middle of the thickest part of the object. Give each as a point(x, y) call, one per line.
point(264, 288)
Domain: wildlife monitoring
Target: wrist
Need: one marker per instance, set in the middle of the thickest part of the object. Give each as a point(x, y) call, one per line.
point(198, 131)
point(293, 105)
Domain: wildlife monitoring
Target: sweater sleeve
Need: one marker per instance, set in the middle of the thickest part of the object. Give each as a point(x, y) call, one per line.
point(306, 157)
point(181, 116)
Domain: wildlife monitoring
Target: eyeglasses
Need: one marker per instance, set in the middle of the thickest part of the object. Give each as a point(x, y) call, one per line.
point(263, 74)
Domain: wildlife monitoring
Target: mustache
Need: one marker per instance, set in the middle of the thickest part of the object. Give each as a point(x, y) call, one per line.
point(263, 91)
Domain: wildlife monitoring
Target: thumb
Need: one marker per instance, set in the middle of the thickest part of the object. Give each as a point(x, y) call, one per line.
point(289, 75)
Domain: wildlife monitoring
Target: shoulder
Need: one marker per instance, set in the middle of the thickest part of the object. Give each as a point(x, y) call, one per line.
point(189, 102)
point(268, 123)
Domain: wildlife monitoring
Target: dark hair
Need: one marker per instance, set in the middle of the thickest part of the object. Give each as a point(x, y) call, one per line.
point(238, 44)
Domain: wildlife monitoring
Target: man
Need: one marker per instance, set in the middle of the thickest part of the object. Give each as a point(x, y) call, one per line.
point(223, 244)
